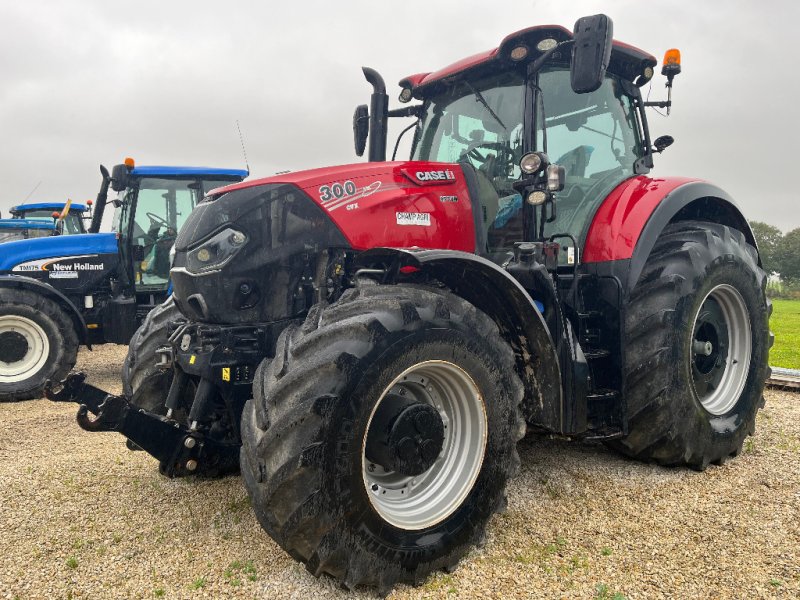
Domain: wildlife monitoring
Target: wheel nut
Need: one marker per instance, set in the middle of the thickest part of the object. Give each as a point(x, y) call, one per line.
point(191, 465)
point(190, 442)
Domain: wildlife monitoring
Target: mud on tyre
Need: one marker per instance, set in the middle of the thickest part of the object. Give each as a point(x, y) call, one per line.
point(696, 347)
point(37, 342)
point(380, 438)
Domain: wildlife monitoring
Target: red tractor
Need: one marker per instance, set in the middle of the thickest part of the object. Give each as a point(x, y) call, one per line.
point(376, 338)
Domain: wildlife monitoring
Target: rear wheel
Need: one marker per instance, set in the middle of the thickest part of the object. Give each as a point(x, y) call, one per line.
point(37, 343)
point(696, 347)
point(380, 438)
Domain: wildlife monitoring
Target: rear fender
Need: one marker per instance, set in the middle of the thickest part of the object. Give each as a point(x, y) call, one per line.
point(630, 220)
point(21, 282)
point(495, 292)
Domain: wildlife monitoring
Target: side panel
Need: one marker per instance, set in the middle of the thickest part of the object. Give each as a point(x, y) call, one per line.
point(409, 203)
point(24, 251)
point(414, 204)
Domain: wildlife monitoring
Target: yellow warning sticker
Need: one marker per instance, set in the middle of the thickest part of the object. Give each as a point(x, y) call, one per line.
point(192, 358)
point(226, 373)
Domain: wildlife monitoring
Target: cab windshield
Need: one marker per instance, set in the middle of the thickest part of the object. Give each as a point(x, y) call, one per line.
point(481, 124)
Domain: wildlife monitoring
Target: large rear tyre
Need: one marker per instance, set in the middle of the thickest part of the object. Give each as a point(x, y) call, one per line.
point(145, 382)
point(696, 347)
point(37, 342)
point(380, 438)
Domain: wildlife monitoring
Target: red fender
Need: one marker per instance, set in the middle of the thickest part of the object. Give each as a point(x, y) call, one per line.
point(623, 215)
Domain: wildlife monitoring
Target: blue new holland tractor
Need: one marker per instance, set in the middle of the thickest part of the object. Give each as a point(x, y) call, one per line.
point(58, 292)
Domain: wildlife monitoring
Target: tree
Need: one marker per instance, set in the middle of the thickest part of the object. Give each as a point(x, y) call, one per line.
point(770, 240)
point(789, 257)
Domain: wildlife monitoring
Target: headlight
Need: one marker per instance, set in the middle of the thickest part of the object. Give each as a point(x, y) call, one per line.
point(216, 252)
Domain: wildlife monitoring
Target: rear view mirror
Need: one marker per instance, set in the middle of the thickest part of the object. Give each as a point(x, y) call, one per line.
point(360, 128)
point(591, 52)
point(119, 178)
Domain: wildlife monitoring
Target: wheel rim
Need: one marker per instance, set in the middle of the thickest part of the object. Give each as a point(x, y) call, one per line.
point(720, 349)
point(415, 502)
point(24, 348)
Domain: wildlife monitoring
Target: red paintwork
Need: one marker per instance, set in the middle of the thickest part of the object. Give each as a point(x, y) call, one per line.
point(425, 79)
point(622, 216)
point(371, 221)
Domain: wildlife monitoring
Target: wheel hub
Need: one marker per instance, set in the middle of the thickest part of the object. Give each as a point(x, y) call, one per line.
point(13, 346)
point(720, 349)
point(406, 435)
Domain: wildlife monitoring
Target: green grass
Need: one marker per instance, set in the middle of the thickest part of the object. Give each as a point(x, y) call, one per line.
point(785, 324)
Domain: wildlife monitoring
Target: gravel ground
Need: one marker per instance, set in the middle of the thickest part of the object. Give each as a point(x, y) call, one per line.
point(82, 517)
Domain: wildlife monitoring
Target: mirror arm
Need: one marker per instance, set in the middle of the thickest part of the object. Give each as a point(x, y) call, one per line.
point(408, 111)
point(537, 64)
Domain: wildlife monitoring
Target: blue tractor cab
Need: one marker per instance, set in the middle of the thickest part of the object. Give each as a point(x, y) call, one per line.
point(68, 217)
point(41, 219)
point(59, 292)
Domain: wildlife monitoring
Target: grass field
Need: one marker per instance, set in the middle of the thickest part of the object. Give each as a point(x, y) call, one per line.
point(785, 324)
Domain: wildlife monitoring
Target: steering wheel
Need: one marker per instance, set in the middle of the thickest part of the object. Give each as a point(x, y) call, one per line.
point(472, 150)
point(154, 218)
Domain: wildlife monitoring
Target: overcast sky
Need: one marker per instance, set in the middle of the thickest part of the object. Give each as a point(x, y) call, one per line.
point(91, 81)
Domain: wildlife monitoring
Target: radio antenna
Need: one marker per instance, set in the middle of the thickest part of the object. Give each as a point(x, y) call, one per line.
point(244, 150)
point(36, 187)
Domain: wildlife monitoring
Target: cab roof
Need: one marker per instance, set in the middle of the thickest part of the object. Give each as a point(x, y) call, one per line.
point(626, 60)
point(167, 171)
point(47, 206)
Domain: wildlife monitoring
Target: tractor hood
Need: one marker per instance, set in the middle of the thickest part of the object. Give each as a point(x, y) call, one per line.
point(402, 203)
point(246, 250)
point(37, 254)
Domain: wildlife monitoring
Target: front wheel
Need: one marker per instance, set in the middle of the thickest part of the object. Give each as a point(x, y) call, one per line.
point(696, 347)
point(37, 343)
point(380, 438)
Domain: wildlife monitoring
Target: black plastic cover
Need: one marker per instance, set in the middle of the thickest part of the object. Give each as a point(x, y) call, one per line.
point(270, 274)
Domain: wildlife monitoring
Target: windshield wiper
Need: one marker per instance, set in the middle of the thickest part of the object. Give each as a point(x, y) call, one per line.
point(479, 97)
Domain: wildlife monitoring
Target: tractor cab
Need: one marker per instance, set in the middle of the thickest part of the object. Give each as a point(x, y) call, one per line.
point(68, 217)
point(488, 111)
point(42, 219)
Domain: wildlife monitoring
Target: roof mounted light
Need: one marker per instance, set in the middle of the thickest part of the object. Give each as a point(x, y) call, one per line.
point(129, 162)
point(546, 44)
point(405, 95)
point(519, 53)
point(672, 63)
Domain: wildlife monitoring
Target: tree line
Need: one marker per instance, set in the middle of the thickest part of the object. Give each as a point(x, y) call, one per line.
point(780, 254)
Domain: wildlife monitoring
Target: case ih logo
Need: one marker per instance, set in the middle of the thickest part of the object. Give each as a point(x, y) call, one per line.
point(446, 175)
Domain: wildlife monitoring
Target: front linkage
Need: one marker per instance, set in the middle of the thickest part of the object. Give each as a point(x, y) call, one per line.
point(179, 450)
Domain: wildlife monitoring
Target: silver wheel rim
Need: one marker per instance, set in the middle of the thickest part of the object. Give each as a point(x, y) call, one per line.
point(36, 354)
point(721, 346)
point(420, 501)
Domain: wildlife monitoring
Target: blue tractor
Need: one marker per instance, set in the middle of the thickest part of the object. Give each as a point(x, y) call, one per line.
point(42, 219)
point(59, 292)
